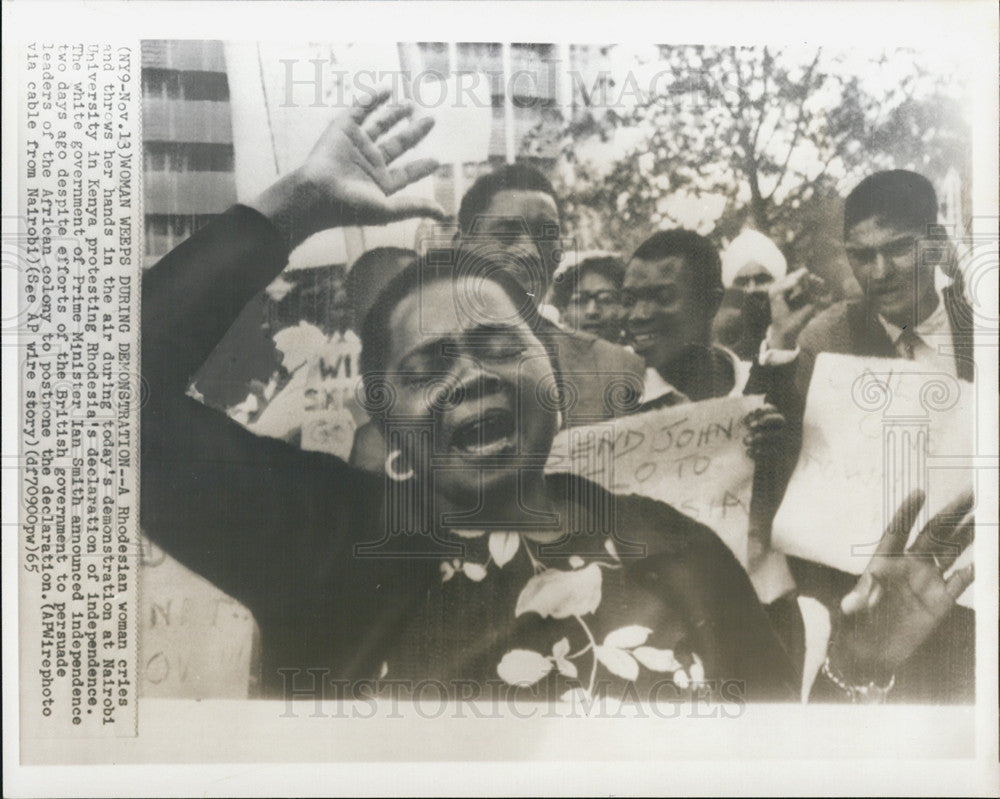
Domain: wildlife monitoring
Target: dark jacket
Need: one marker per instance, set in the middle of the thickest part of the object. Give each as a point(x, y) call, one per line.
point(300, 538)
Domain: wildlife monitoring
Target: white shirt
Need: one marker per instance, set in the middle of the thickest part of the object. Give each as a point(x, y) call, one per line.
point(934, 346)
point(935, 349)
point(656, 386)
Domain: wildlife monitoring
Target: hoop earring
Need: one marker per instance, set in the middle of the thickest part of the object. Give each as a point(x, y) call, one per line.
point(398, 477)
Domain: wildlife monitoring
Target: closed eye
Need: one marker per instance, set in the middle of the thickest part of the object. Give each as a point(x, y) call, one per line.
point(499, 343)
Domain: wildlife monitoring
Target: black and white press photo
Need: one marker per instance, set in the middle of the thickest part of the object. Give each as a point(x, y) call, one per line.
point(529, 417)
point(418, 390)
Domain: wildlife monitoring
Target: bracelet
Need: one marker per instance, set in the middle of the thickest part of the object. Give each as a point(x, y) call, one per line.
point(870, 694)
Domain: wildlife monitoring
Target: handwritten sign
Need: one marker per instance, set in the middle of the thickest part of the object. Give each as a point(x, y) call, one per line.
point(319, 401)
point(197, 642)
point(689, 456)
point(874, 430)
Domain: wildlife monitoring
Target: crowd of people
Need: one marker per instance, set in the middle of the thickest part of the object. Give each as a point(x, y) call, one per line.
point(443, 550)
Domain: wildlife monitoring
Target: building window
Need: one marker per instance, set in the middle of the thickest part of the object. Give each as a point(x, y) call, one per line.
point(162, 156)
point(172, 84)
point(435, 57)
point(154, 159)
point(204, 86)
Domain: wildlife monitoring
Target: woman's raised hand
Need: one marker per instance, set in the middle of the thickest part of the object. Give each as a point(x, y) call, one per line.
point(903, 593)
point(349, 177)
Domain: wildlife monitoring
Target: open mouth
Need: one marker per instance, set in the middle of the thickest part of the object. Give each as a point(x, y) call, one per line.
point(494, 433)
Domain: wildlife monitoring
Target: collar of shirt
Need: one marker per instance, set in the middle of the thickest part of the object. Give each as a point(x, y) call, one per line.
point(934, 326)
point(741, 370)
point(655, 386)
point(551, 313)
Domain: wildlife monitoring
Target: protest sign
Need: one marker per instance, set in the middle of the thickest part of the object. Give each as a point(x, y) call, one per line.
point(197, 642)
point(874, 430)
point(689, 456)
point(318, 402)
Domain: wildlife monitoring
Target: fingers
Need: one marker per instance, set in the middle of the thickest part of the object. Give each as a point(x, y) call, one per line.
point(763, 410)
point(771, 420)
point(963, 536)
point(386, 119)
point(764, 417)
point(948, 533)
point(789, 315)
point(960, 580)
point(364, 106)
point(800, 316)
point(779, 287)
point(865, 595)
point(404, 207)
point(946, 546)
point(767, 445)
point(403, 176)
point(374, 158)
point(898, 532)
point(394, 146)
point(765, 430)
point(371, 158)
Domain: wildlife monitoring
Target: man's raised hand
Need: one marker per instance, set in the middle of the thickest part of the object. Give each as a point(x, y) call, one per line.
point(787, 322)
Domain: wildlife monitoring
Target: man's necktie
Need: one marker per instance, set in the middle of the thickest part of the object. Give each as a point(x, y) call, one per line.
point(909, 341)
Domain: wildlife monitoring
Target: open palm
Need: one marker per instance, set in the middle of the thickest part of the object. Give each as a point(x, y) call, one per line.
point(349, 177)
point(903, 594)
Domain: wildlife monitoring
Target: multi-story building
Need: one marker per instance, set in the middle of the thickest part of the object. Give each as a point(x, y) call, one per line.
point(526, 93)
point(187, 122)
point(188, 166)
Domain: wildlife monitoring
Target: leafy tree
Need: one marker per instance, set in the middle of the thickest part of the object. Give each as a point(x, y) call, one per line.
point(718, 137)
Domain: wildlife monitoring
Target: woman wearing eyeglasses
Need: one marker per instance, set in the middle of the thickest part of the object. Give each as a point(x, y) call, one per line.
point(588, 296)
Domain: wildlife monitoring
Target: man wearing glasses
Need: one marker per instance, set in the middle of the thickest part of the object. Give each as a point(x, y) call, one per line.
point(912, 303)
point(913, 307)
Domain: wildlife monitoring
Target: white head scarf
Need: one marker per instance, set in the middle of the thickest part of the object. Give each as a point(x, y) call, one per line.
point(752, 246)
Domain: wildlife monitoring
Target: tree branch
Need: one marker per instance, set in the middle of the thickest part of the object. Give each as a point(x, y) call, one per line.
point(797, 132)
point(763, 99)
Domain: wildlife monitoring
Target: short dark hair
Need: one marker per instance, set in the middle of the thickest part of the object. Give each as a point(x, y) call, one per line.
point(701, 260)
point(610, 267)
point(898, 196)
point(370, 274)
point(376, 336)
point(510, 177)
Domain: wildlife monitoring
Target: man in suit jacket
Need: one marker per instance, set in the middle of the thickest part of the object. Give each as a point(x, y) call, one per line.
point(913, 307)
point(912, 304)
point(510, 220)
